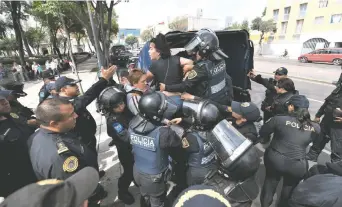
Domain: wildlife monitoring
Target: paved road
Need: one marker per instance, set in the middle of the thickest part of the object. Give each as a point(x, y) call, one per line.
point(108, 159)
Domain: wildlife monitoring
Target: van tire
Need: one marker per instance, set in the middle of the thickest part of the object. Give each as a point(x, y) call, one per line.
point(337, 61)
point(303, 60)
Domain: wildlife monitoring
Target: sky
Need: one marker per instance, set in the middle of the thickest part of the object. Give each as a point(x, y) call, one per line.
point(141, 13)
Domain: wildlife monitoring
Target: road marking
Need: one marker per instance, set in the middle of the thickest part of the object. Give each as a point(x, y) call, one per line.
point(311, 99)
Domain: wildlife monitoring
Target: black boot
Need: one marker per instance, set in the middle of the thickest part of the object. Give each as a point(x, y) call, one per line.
point(126, 197)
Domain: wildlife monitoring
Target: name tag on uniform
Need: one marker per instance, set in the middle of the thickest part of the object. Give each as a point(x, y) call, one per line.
point(143, 142)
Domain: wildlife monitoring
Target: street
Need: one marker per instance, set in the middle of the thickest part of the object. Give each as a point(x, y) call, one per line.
point(315, 91)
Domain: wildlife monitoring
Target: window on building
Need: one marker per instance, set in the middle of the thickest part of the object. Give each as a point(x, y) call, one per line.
point(299, 26)
point(275, 14)
point(283, 28)
point(302, 10)
point(319, 20)
point(287, 11)
point(336, 18)
point(323, 3)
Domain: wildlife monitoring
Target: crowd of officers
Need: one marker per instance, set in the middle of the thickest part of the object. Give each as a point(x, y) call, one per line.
point(170, 130)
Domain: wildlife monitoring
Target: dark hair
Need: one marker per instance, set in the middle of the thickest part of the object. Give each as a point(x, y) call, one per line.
point(287, 84)
point(303, 116)
point(124, 74)
point(49, 110)
point(161, 46)
point(135, 75)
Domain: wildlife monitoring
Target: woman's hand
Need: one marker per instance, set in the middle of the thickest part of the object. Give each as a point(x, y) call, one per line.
point(187, 96)
point(161, 87)
point(175, 121)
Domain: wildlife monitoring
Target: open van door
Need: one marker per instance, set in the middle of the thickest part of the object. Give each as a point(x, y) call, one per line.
point(235, 44)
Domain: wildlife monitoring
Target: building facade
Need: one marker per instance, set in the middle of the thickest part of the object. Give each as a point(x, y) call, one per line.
point(303, 26)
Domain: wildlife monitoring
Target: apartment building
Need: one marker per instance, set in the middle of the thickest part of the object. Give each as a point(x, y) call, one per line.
point(303, 25)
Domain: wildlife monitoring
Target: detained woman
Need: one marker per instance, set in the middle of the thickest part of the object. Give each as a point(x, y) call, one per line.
point(165, 68)
point(135, 89)
point(285, 157)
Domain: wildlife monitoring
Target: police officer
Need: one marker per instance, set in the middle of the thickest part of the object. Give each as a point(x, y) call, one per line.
point(112, 104)
point(331, 127)
point(292, 134)
point(16, 169)
point(271, 91)
point(245, 114)
point(285, 90)
point(56, 152)
point(68, 90)
point(209, 78)
point(18, 92)
point(201, 156)
point(48, 78)
point(152, 143)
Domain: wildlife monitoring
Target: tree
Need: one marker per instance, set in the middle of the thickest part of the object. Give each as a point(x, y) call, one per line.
point(146, 35)
point(14, 9)
point(235, 25)
point(264, 12)
point(263, 27)
point(245, 25)
point(131, 40)
point(78, 31)
point(34, 37)
point(8, 45)
point(4, 27)
point(179, 24)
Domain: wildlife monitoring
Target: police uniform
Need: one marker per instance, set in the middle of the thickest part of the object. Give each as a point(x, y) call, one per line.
point(16, 169)
point(61, 155)
point(330, 130)
point(44, 92)
point(278, 106)
point(207, 80)
point(85, 123)
point(287, 148)
point(201, 157)
point(117, 128)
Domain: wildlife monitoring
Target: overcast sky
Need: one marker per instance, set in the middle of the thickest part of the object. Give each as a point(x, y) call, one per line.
point(141, 13)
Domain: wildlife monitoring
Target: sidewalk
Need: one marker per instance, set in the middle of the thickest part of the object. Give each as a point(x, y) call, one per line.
point(305, 72)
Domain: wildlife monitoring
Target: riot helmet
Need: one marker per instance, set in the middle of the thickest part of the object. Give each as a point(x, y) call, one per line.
point(110, 98)
point(206, 115)
point(156, 106)
point(206, 43)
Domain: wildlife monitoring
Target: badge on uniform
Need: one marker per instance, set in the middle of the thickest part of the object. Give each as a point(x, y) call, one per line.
point(41, 94)
point(61, 147)
point(192, 74)
point(70, 164)
point(118, 127)
point(185, 143)
point(245, 104)
point(14, 115)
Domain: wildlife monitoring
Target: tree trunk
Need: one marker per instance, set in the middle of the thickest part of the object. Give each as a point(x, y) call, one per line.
point(16, 27)
point(70, 50)
point(53, 40)
point(260, 42)
point(107, 32)
point(27, 46)
point(89, 46)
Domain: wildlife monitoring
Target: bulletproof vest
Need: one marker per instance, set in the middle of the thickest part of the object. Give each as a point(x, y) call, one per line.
point(205, 156)
point(43, 93)
point(149, 158)
point(216, 88)
point(269, 95)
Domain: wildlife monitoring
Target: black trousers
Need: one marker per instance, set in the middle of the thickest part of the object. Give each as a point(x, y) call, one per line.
point(152, 188)
point(279, 166)
point(126, 159)
point(327, 134)
point(197, 175)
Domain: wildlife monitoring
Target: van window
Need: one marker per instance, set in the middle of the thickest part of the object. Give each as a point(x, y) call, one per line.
point(336, 51)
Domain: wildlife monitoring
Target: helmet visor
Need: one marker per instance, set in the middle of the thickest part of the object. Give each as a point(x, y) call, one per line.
point(194, 42)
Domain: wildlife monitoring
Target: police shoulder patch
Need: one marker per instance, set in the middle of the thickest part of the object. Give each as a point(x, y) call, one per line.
point(14, 115)
point(118, 127)
point(192, 74)
point(70, 164)
point(185, 143)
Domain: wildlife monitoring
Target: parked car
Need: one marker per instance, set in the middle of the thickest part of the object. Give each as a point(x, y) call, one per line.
point(329, 55)
point(119, 55)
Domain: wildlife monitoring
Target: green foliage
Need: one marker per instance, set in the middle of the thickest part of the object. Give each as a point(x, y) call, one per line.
point(131, 40)
point(244, 25)
point(179, 24)
point(146, 35)
point(8, 45)
point(263, 26)
point(35, 36)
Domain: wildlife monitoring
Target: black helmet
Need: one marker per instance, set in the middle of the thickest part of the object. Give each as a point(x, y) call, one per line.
point(205, 113)
point(109, 98)
point(157, 106)
point(17, 88)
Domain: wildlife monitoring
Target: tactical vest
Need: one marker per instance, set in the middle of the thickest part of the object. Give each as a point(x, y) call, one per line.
point(149, 158)
point(205, 156)
point(43, 93)
point(216, 88)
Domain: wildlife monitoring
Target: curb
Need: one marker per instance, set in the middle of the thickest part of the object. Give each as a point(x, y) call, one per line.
point(300, 78)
